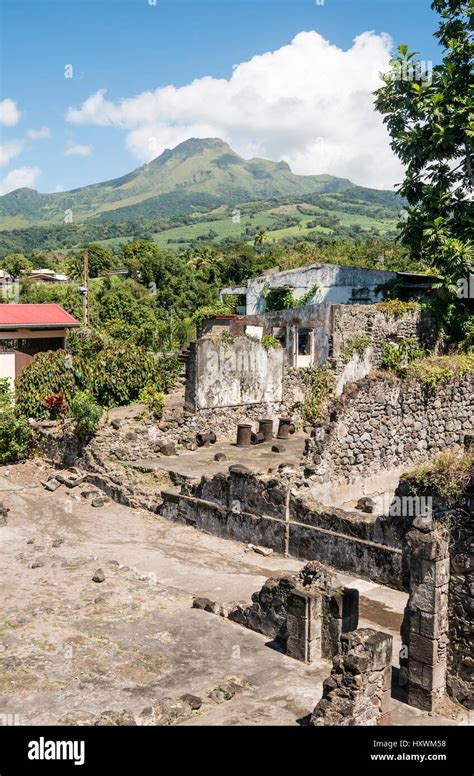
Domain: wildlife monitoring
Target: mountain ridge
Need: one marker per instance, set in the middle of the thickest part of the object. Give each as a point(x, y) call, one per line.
point(197, 175)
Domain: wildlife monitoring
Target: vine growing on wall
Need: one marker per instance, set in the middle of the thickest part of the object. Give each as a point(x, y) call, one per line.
point(284, 298)
point(320, 384)
point(357, 344)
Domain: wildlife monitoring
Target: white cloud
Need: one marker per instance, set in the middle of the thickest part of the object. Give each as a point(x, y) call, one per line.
point(9, 113)
point(59, 187)
point(39, 134)
point(19, 178)
point(9, 150)
point(79, 150)
point(308, 103)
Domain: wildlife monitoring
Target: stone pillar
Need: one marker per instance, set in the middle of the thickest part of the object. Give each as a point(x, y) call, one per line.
point(423, 659)
point(358, 691)
point(340, 615)
point(303, 623)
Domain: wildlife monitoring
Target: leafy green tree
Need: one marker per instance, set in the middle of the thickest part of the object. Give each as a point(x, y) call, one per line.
point(142, 259)
point(429, 116)
point(15, 263)
point(101, 260)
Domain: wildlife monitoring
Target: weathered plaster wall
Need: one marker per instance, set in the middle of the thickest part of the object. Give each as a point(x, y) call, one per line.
point(229, 373)
point(317, 317)
point(336, 284)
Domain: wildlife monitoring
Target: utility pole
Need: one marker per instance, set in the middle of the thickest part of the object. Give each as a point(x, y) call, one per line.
point(85, 297)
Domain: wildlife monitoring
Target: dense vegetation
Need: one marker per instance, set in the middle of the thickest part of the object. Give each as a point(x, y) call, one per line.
point(156, 264)
point(429, 118)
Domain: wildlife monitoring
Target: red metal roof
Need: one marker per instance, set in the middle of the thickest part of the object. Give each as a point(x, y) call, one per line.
point(35, 316)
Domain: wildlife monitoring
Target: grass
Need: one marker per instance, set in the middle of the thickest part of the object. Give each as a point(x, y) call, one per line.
point(225, 228)
point(435, 371)
point(448, 474)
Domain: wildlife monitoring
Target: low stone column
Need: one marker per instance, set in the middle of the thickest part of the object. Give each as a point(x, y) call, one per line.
point(303, 623)
point(423, 659)
point(358, 691)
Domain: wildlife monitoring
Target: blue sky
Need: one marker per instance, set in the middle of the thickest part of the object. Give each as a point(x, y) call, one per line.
point(129, 47)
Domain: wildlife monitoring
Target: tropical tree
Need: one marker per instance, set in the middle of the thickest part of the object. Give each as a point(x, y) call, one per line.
point(429, 115)
point(15, 263)
point(101, 260)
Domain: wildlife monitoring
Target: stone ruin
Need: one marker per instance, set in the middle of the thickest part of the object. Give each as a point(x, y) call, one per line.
point(305, 613)
point(359, 688)
point(311, 618)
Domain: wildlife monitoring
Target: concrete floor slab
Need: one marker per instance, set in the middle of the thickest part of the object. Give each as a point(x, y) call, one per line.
point(70, 644)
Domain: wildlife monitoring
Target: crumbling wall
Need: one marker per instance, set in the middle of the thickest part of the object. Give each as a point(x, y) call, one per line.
point(229, 372)
point(460, 678)
point(336, 284)
point(370, 327)
point(306, 612)
point(259, 510)
point(358, 691)
point(382, 423)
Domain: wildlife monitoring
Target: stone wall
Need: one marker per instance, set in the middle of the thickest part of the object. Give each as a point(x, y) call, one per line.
point(261, 510)
point(358, 690)
point(382, 423)
point(231, 372)
point(460, 678)
point(354, 324)
point(306, 612)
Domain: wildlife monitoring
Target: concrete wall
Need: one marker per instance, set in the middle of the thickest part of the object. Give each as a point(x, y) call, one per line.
point(235, 372)
point(336, 284)
point(259, 510)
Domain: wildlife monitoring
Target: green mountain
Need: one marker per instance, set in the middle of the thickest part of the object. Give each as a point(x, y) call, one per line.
point(195, 177)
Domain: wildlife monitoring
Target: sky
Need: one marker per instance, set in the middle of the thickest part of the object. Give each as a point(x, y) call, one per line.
point(91, 89)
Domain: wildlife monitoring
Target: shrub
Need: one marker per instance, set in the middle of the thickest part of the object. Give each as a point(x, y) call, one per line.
point(53, 372)
point(117, 374)
point(113, 372)
point(397, 308)
point(320, 385)
point(439, 370)
point(5, 393)
point(398, 356)
point(448, 474)
point(16, 437)
point(269, 341)
point(56, 405)
point(168, 368)
point(153, 399)
point(358, 344)
point(86, 413)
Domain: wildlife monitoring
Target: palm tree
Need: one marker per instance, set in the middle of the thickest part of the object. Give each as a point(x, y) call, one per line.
point(259, 237)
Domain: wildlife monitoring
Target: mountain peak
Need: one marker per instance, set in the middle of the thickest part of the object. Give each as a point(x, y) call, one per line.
point(197, 144)
point(193, 146)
